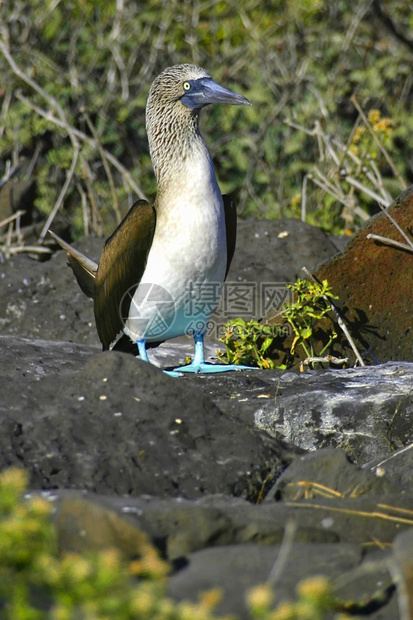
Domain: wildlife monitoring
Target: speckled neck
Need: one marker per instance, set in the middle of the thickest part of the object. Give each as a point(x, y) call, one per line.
point(174, 136)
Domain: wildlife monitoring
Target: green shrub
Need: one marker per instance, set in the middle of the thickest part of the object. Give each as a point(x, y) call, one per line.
point(247, 342)
point(310, 306)
point(259, 344)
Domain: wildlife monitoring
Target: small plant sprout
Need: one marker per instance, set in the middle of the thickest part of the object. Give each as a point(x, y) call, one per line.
point(303, 314)
point(247, 343)
point(255, 343)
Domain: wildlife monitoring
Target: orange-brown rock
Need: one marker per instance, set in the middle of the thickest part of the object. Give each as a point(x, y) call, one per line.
point(374, 285)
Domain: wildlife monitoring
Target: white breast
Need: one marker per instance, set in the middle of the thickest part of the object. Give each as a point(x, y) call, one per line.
point(181, 285)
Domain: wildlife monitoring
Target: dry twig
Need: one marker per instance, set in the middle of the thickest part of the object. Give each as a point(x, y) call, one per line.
point(378, 142)
point(340, 321)
point(388, 241)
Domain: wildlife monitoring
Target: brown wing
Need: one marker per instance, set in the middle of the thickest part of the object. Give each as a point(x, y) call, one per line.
point(231, 227)
point(82, 266)
point(121, 268)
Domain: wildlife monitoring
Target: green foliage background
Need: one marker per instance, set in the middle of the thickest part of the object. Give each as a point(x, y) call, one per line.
point(75, 77)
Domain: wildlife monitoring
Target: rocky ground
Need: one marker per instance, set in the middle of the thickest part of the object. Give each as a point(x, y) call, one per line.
point(238, 478)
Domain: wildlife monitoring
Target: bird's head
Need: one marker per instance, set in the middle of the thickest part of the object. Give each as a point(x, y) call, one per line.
point(192, 87)
point(175, 99)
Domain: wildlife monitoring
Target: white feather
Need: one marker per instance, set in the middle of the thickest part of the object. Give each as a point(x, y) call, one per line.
point(188, 250)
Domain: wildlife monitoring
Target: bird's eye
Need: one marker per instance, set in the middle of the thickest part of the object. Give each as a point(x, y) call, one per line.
point(186, 86)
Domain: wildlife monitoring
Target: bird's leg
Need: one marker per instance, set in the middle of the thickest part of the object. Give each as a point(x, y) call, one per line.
point(199, 364)
point(143, 354)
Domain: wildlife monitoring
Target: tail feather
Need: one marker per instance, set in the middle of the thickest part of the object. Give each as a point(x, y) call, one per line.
point(83, 267)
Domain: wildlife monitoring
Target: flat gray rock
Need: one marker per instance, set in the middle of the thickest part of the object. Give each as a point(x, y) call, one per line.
point(365, 411)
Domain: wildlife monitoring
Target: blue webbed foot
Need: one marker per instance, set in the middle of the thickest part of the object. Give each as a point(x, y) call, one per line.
point(205, 367)
point(173, 373)
point(199, 365)
point(143, 354)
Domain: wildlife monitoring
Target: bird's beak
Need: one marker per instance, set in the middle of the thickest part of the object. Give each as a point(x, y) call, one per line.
point(205, 91)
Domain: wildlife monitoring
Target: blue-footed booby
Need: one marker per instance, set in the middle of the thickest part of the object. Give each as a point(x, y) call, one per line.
point(161, 272)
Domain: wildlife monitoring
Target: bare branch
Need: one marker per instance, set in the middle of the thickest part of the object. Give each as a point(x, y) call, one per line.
point(82, 136)
point(330, 359)
point(364, 189)
point(340, 321)
point(52, 101)
point(389, 241)
point(106, 167)
point(61, 196)
point(393, 221)
point(378, 142)
point(11, 218)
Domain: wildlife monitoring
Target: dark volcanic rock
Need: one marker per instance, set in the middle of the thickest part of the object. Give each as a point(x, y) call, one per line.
point(42, 300)
point(228, 543)
point(276, 251)
point(241, 567)
point(403, 571)
point(89, 525)
point(122, 426)
point(397, 467)
point(328, 472)
point(366, 411)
